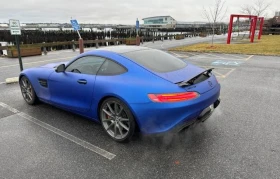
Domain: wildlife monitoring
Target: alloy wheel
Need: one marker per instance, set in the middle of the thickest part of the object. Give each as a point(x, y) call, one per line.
point(26, 90)
point(115, 120)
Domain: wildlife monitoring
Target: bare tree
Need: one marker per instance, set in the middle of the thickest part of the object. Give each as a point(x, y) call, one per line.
point(215, 14)
point(247, 9)
point(259, 8)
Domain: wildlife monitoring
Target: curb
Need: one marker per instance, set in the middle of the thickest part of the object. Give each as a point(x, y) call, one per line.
point(12, 80)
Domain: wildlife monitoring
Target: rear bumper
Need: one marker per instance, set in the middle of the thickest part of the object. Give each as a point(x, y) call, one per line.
point(207, 112)
point(154, 118)
point(204, 115)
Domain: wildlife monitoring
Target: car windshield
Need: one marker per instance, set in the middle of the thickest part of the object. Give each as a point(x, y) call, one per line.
point(156, 60)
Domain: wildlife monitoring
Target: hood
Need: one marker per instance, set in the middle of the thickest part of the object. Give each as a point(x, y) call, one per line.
point(54, 65)
point(186, 73)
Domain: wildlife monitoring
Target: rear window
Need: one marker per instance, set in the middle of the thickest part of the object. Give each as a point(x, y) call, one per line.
point(111, 68)
point(156, 60)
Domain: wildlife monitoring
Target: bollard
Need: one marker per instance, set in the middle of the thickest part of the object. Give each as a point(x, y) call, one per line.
point(81, 45)
point(96, 44)
point(45, 49)
point(137, 40)
point(73, 46)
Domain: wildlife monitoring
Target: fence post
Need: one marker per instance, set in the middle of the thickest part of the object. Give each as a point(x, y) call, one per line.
point(81, 45)
point(44, 49)
point(138, 40)
point(96, 43)
point(73, 46)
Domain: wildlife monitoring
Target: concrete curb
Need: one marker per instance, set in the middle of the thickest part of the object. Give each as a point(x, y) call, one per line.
point(12, 80)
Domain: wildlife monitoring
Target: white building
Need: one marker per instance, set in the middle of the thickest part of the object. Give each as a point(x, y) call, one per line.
point(160, 22)
point(169, 22)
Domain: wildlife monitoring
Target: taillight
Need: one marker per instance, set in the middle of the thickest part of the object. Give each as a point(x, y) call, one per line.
point(173, 97)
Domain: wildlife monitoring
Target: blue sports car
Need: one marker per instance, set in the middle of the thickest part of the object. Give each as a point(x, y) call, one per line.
point(126, 88)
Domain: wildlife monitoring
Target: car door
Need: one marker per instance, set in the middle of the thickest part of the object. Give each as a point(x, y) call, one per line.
point(73, 88)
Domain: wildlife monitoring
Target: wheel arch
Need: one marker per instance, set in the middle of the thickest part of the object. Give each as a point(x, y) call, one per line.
point(121, 99)
point(34, 86)
point(34, 89)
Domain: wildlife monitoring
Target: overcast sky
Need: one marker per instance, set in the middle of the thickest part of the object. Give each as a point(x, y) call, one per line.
point(112, 11)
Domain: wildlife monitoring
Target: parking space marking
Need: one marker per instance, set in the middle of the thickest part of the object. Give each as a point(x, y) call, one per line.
point(249, 58)
point(7, 66)
point(229, 72)
point(227, 63)
point(2, 83)
point(9, 108)
point(220, 74)
point(61, 133)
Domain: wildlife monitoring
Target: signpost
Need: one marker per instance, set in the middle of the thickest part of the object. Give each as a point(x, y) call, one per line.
point(137, 25)
point(76, 27)
point(137, 29)
point(15, 30)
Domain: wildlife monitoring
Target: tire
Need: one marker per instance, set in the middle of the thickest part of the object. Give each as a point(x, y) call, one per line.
point(27, 91)
point(117, 120)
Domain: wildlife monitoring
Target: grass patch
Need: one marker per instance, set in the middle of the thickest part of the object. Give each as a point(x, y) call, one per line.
point(268, 45)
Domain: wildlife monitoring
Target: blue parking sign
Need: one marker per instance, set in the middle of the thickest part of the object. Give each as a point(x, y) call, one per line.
point(137, 24)
point(75, 24)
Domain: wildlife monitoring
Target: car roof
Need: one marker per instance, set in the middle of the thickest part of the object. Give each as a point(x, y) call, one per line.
point(123, 49)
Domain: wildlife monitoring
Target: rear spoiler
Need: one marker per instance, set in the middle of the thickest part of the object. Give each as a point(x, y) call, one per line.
point(192, 80)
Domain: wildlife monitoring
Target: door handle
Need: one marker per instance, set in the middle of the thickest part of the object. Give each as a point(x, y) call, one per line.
point(82, 82)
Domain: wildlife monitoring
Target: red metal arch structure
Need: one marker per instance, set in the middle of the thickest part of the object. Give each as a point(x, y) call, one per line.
point(253, 24)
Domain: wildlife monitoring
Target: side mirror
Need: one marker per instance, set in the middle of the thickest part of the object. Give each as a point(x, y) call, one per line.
point(60, 68)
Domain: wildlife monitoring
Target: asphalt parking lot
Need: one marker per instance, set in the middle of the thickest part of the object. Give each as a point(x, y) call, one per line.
point(240, 140)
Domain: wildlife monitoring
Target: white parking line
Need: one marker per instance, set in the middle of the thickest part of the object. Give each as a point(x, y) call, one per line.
point(220, 75)
point(229, 72)
point(249, 57)
point(61, 133)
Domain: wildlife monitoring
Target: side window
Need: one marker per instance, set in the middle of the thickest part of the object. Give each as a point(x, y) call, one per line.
point(111, 68)
point(86, 65)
